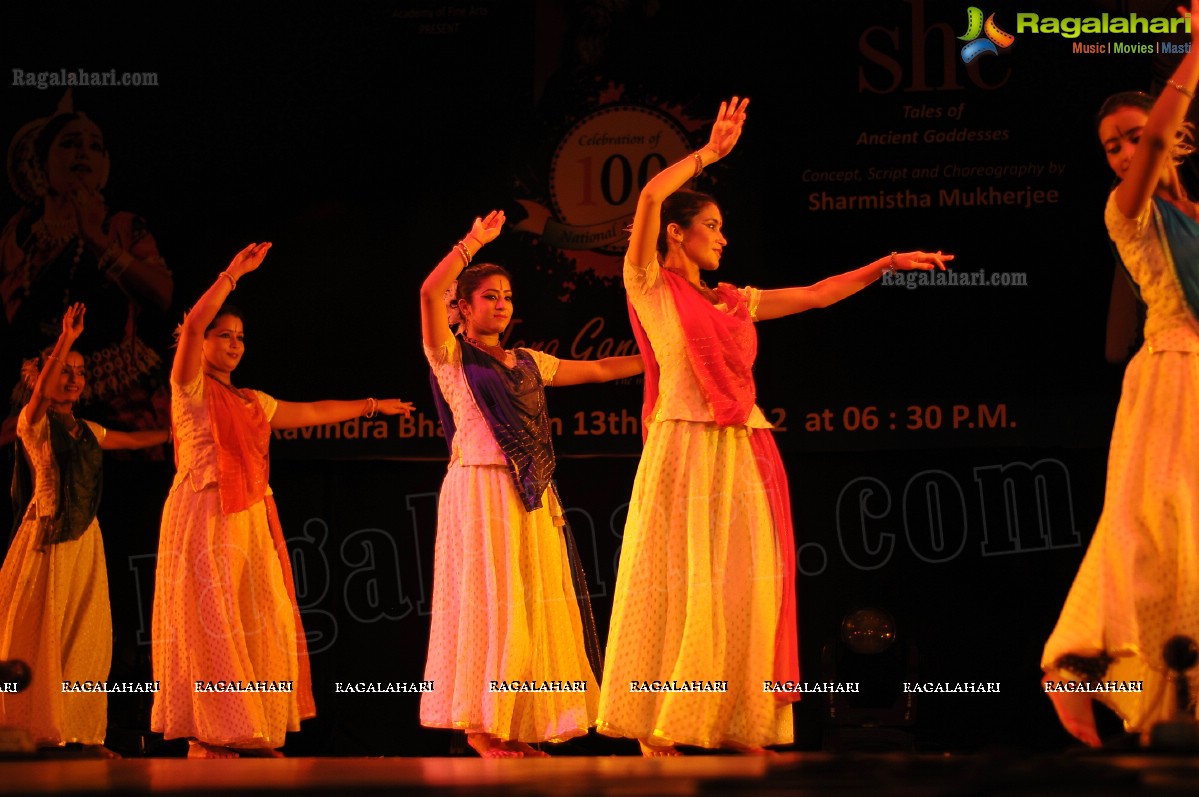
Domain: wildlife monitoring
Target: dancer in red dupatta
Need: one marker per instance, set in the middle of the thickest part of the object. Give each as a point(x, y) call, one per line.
point(224, 601)
point(705, 590)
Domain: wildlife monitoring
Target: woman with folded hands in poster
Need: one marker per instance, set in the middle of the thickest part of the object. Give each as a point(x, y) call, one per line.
point(67, 245)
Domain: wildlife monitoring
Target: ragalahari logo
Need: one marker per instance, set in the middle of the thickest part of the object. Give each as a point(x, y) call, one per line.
point(995, 40)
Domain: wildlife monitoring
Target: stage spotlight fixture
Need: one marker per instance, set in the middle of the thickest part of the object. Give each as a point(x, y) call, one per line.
point(871, 653)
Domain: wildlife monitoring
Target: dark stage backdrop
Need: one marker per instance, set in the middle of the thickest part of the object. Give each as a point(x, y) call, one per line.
point(945, 443)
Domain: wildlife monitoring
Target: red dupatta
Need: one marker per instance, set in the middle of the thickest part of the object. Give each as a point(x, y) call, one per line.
point(241, 434)
point(721, 348)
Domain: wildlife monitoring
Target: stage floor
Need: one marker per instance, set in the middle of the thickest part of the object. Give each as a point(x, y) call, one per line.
point(844, 775)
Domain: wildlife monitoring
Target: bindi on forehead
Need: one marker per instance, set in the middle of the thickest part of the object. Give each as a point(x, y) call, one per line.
point(1114, 130)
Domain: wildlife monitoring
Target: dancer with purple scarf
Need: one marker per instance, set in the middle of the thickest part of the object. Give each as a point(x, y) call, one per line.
point(509, 597)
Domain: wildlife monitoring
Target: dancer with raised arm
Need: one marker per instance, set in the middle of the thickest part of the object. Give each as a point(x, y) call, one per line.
point(509, 596)
point(1138, 584)
point(54, 610)
point(225, 608)
point(705, 588)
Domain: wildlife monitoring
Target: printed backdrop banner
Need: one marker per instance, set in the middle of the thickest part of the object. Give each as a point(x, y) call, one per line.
point(363, 154)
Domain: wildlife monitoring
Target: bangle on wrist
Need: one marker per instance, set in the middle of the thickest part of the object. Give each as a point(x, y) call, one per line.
point(462, 250)
point(119, 265)
point(108, 259)
point(232, 281)
point(372, 408)
point(890, 269)
point(699, 160)
point(1180, 88)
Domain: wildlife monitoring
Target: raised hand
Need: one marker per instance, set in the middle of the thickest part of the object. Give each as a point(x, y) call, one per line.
point(487, 229)
point(727, 128)
point(920, 261)
point(248, 259)
point(72, 322)
point(394, 406)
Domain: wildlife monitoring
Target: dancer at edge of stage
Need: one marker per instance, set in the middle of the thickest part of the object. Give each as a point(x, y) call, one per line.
point(510, 600)
point(1138, 584)
point(54, 611)
point(705, 586)
point(225, 609)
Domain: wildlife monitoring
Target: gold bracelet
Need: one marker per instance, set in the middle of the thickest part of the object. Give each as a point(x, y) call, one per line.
point(699, 163)
point(1180, 88)
point(462, 250)
point(108, 259)
point(232, 282)
point(372, 408)
point(119, 265)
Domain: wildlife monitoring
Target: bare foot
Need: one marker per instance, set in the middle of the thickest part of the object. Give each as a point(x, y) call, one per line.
point(657, 750)
point(487, 746)
point(746, 749)
point(100, 751)
point(525, 751)
point(1077, 716)
point(197, 749)
point(257, 752)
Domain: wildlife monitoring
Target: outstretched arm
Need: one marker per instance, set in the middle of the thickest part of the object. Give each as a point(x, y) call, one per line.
point(114, 439)
point(435, 328)
point(646, 220)
point(577, 372)
point(72, 328)
point(1161, 129)
point(786, 301)
point(189, 354)
point(293, 414)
